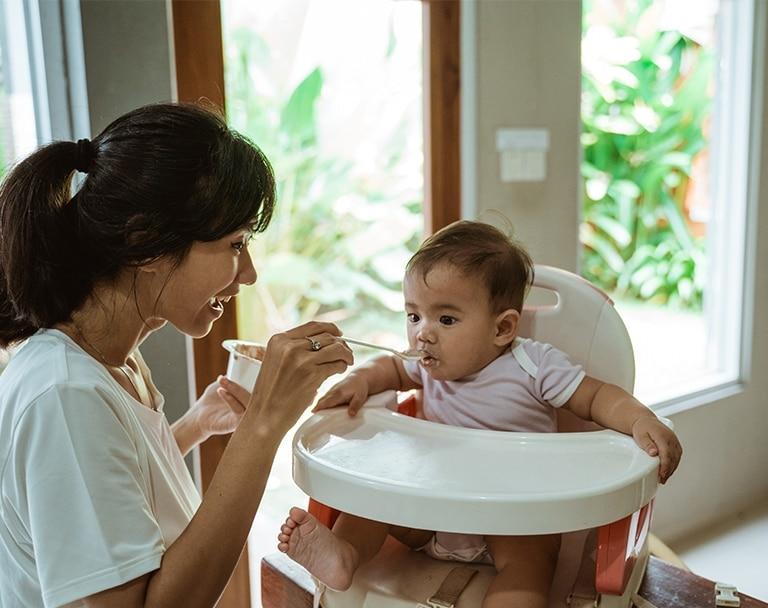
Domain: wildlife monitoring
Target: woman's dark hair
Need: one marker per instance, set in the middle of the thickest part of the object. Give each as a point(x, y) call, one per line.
point(158, 179)
point(479, 250)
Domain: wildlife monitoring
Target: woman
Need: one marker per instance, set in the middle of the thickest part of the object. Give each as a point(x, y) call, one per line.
point(96, 506)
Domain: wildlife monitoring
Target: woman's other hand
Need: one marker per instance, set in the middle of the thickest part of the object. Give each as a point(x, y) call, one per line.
point(220, 407)
point(217, 411)
point(293, 370)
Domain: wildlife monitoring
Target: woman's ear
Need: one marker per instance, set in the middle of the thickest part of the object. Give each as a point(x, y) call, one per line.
point(157, 266)
point(506, 327)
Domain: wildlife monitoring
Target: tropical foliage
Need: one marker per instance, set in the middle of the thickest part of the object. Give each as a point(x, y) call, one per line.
point(645, 104)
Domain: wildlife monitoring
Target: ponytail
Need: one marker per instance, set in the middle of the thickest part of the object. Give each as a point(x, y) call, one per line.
point(37, 288)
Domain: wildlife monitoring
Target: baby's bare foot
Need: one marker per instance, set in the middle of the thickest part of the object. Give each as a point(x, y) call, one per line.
point(329, 559)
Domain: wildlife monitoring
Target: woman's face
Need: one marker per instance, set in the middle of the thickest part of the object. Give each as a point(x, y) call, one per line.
point(196, 291)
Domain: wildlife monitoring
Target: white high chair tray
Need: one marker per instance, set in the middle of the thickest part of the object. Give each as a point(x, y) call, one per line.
point(390, 467)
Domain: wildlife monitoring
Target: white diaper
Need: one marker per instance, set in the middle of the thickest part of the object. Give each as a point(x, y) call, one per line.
point(468, 548)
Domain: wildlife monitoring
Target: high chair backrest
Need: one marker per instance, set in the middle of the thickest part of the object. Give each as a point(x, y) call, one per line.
point(584, 324)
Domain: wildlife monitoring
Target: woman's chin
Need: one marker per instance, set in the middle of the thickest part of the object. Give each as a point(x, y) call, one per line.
point(196, 330)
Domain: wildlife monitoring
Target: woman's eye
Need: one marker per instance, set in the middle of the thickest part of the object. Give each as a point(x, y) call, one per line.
point(413, 318)
point(446, 320)
point(239, 246)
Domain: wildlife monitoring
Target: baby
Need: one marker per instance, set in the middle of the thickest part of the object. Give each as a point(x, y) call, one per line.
point(464, 291)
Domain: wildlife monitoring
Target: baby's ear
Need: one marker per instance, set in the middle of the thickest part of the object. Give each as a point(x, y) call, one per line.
point(506, 327)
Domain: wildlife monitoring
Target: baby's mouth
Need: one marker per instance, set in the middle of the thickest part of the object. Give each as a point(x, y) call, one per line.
point(428, 359)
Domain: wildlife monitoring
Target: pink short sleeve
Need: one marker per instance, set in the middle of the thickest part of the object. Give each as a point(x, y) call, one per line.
point(413, 369)
point(557, 378)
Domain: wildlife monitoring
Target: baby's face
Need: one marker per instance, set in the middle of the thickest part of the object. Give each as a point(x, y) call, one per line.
point(449, 318)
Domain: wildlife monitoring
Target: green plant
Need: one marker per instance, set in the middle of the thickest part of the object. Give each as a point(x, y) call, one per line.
point(336, 247)
point(645, 102)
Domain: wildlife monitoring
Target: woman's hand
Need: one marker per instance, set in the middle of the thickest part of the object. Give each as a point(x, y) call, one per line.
point(657, 439)
point(293, 370)
point(220, 407)
point(218, 411)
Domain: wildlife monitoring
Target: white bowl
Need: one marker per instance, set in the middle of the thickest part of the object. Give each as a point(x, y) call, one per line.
point(242, 368)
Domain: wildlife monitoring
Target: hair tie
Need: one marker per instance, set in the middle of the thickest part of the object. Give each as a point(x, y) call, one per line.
point(84, 156)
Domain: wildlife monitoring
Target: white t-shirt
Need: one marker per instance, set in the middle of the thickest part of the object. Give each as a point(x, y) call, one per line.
point(93, 488)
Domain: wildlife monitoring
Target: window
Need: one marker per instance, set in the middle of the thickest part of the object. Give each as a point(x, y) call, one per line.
point(41, 72)
point(344, 131)
point(42, 76)
point(665, 111)
point(18, 124)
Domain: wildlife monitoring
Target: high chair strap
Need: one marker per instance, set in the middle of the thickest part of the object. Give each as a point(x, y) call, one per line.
point(453, 585)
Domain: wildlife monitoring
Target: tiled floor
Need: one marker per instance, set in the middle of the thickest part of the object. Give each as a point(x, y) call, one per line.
point(735, 551)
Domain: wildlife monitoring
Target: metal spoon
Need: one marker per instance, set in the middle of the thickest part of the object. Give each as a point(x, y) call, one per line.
point(412, 354)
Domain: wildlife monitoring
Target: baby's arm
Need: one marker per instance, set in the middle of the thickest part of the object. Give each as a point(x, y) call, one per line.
point(375, 376)
point(614, 408)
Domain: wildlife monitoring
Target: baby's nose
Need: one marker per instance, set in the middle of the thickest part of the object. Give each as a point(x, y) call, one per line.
point(425, 335)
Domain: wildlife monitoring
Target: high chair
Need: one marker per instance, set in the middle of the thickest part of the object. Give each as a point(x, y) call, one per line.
point(596, 487)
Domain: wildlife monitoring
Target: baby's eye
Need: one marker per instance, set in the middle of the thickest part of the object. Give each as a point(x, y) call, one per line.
point(413, 317)
point(446, 320)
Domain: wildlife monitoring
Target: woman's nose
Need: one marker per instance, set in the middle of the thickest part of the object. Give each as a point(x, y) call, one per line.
point(246, 273)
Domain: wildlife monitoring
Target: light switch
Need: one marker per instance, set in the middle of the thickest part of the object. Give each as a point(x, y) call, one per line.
point(522, 154)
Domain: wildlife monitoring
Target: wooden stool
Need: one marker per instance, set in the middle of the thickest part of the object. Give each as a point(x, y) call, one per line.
point(285, 584)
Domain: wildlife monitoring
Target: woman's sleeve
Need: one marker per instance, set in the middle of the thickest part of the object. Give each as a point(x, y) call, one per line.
point(88, 515)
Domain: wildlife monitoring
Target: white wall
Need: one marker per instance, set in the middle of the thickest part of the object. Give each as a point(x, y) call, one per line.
point(526, 67)
point(528, 76)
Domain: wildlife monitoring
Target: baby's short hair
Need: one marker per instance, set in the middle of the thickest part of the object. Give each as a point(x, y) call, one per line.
point(479, 250)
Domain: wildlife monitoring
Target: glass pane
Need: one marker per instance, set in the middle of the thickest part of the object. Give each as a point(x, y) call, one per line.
point(18, 131)
point(331, 90)
point(649, 85)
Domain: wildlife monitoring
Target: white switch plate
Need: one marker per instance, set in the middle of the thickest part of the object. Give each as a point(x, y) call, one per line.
point(522, 154)
point(525, 139)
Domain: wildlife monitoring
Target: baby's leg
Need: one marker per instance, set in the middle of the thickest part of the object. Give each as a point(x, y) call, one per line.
point(525, 567)
point(332, 557)
point(365, 535)
point(411, 537)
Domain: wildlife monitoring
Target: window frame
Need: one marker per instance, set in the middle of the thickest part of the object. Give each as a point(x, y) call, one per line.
point(51, 33)
point(732, 247)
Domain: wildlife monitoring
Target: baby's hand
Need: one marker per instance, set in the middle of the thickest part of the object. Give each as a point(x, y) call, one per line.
point(658, 439)
point(352, 391)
